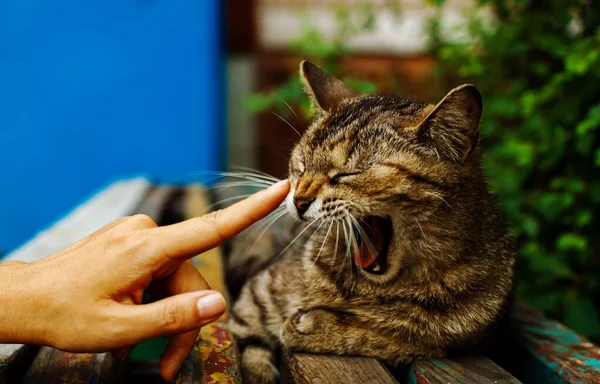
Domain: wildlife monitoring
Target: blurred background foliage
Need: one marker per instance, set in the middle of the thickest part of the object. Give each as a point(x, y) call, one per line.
point(537, 65)
point(312, 44)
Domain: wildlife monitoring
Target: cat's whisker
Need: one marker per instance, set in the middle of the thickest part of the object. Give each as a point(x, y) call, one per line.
point(300, 234)
point(239, 184)
point(364, 223)
point(255, 172)
point(291, 109)
point(254, 176)
point(360, 208)
point(352, 234)
point(232, 198)
point(315, 231)
point(337, 238)
point(347, 241)
point(239, 175)
point(267, 219)
point(325, 240)
point(288, 123)
point(420, 227)
point(271, 219)
point(438, 196)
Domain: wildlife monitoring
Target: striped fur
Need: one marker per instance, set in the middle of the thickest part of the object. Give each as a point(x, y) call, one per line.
point(449, 273)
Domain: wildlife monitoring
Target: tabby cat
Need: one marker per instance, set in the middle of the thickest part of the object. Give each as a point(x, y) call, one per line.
point(403, 252)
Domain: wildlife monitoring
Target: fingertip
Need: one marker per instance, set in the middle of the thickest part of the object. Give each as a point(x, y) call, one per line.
point(211, 305)
point(280, 185)
point(168, 369)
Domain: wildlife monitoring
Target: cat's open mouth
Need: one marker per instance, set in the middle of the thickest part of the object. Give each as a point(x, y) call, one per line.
point(373, 244)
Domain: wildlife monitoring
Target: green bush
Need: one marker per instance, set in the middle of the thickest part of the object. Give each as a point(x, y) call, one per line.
point(311, 44)
point(537, 65)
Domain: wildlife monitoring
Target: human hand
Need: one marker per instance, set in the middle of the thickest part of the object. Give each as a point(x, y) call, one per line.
point(88, 297)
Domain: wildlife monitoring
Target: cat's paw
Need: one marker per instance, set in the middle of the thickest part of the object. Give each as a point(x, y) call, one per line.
point(258, 367)
point(298, 329)
point(302, 321)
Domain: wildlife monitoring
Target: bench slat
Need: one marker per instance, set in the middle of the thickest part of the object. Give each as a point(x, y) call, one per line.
point(215, 357)
point(52, 366)
point(303, 368)
point(549, 351)
point(467, 370)
point(14, 359)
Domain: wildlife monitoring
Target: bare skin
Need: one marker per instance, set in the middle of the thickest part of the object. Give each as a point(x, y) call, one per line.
point(87, 297)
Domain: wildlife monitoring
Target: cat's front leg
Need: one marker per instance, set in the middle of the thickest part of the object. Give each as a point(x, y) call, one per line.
point(323, 331)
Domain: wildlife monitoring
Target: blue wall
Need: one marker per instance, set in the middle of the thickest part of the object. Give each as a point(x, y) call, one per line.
point(95, 90)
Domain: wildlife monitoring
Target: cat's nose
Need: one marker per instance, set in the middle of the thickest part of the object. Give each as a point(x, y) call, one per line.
point(302, 203)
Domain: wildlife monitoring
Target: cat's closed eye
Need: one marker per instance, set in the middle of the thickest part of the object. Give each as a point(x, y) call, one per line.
point(342, 177)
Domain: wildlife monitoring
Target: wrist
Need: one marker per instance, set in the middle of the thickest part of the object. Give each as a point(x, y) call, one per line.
point(19, 322)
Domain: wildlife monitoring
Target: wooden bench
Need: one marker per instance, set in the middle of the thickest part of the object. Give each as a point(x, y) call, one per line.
point(537, 349)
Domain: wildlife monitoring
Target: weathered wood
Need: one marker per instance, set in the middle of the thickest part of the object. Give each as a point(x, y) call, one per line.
point(302, 368)
point(52, 366)
point(547, 351)
point(467, 370)
point(215, 357)
point(14, 359)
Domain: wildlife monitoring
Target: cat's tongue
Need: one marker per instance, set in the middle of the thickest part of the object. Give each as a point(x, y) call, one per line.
point(370, 248)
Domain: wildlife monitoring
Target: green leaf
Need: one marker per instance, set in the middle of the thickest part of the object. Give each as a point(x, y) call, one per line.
point(584, 218)
point(530, 226)
point(590, 123)
point(571, 242)
point(258, 102)
point(542, 264)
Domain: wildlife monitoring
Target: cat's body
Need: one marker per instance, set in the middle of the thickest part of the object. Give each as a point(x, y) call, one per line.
point(408, 255)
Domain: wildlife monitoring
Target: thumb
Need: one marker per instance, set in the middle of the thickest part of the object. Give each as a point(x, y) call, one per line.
point(174, 315)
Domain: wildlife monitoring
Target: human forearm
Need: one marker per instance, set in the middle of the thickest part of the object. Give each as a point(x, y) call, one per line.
point(20, 320)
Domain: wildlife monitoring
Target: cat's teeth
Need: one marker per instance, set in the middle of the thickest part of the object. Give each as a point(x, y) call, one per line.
point(376, 268)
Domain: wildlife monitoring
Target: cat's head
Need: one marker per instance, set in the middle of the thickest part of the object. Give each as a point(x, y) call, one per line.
point(380, 164)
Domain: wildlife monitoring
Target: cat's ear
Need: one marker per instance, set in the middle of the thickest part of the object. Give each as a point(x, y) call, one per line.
point(451, 128)
point(326, 90)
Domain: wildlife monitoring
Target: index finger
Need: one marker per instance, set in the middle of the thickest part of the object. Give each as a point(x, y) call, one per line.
point(194, 236)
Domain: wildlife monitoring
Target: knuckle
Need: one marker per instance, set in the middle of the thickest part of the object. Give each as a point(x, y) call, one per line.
point(144, 220)
point(171, 317)
point(213, 217)
point(214, 221)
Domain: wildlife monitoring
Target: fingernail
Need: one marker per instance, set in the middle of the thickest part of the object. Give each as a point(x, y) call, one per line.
point(279, 184)
point(211, 305)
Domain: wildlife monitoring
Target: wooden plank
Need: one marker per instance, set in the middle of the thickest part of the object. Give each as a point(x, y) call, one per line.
point(546, 351)
point(215, 357)
point(467, 370)
point(14, 359)
point(53, 366)
point(302, 368)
